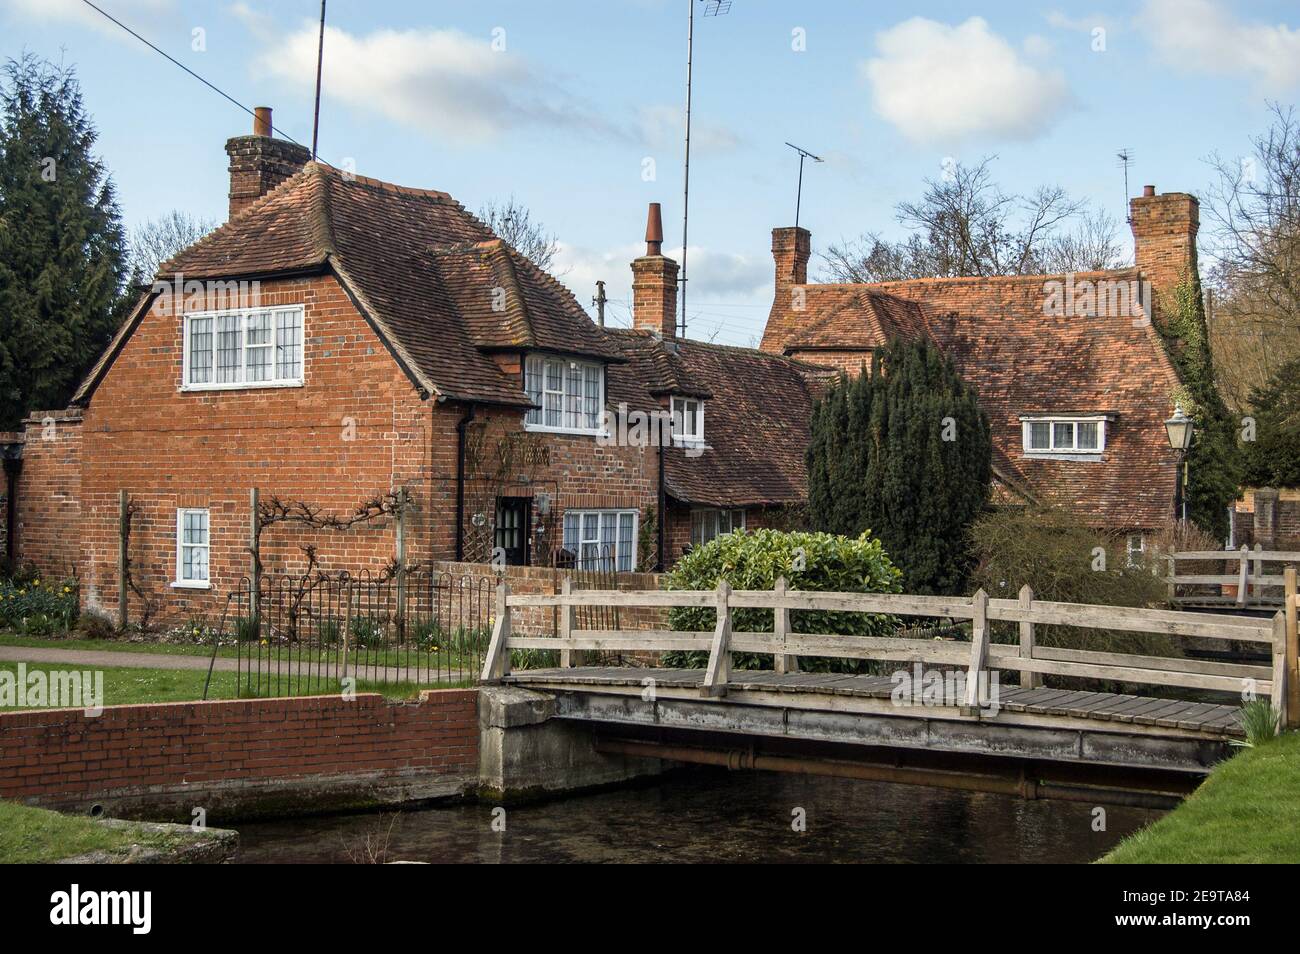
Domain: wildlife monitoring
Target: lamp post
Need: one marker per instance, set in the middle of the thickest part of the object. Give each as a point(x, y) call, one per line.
point(1179, 428)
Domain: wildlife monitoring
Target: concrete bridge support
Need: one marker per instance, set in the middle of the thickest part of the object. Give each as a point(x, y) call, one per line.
point(525, 752)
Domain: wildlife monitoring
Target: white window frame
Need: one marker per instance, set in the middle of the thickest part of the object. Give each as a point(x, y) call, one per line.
point(618, 513)
point(567, 367)
point(182, 546)
point(1053, 450)
point(717, 513)
point(243, 315)
point(1130, 551)
point(679, 420)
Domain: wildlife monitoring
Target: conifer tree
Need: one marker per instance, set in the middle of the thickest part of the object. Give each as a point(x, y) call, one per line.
point(903, 450)
point(62, 251)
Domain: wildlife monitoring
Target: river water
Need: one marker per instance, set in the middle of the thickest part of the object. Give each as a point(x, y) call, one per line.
point(707, 815)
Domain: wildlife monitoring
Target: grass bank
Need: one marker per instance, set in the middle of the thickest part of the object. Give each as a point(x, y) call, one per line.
point(35, 836)
point(1246, 812)
point(127, 686)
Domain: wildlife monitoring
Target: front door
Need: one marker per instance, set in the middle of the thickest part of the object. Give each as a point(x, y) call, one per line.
point(511, 536)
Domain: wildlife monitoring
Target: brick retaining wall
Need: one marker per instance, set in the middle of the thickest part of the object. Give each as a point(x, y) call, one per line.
point(240, 758)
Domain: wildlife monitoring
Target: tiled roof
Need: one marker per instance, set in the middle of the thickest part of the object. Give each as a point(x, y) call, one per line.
point(755, 421)
point(1024, 360)
point(423, 270)
point(857, 316)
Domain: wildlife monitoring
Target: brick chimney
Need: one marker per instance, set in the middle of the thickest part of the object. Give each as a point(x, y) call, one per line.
point(791, 249)
point(654, 282)
point(1164, 240)
point(259, 163)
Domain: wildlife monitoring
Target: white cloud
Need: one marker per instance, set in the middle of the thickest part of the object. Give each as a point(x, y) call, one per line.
point(941, 84)
point(136, 14)
point(442, 82)
point(663, 127)
point(1202, 35)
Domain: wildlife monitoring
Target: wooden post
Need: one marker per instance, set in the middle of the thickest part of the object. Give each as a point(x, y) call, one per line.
point(1173, 573)
point(1292, 650)
point(122, 504)
point(254, 562)
point(979, 648)
point(1242, 575)
point(496, 664)
point(718, 671)
point(781, 631)
point(1256, 571)
point(1283, 682)
point(568, 620)
point(1028, 680)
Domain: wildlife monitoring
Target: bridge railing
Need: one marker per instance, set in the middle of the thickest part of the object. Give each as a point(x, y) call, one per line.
point(1027, 657)
point(1247, 580)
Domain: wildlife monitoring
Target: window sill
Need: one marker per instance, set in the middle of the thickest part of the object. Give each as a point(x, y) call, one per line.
point(1094, 457)
point(569, 431)
point(191, 585)
point(241, 386)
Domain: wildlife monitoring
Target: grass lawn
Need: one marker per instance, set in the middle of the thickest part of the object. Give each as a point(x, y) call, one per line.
point(376, 657)
point(1246, 812)
point(35, 835)
point(123, 686)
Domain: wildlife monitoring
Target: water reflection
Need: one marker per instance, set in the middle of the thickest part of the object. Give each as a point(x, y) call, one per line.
point(710, 815)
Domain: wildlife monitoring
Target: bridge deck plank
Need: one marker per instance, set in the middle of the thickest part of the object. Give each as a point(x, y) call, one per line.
point(1085, 705)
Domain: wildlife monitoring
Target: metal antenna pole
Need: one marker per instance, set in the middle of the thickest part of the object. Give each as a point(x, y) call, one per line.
point(1125, 157)
point(686, 176)
point(798, 197)
point(320, 59)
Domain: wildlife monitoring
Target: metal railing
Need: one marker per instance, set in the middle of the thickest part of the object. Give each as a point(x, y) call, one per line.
point(330, 633)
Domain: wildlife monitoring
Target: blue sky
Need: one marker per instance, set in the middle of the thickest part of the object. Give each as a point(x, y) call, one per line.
point(566, 105)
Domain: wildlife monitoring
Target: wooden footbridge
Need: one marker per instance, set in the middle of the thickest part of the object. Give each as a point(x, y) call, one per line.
point(935, 704)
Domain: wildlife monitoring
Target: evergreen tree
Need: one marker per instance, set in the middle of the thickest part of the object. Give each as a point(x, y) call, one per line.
point(62, 251)
point(1272, 459)
point(903, 450)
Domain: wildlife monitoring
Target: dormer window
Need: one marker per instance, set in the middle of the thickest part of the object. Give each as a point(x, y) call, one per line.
point(688, 420)
point(1064, 436)
point(569, 394)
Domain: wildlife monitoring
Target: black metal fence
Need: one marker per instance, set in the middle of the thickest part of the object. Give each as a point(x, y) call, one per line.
point(330, 633)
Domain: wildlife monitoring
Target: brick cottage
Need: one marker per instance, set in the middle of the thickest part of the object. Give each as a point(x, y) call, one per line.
point(342, 340)
point(1071, 369)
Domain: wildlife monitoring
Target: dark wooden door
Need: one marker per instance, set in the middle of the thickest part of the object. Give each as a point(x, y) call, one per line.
point(512, 526)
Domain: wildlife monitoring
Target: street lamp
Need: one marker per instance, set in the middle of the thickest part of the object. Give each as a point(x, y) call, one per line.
point(1179, 428)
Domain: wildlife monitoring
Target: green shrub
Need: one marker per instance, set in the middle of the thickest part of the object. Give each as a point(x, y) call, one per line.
point(808, 561)
point(366, 633)
point(1055, 552)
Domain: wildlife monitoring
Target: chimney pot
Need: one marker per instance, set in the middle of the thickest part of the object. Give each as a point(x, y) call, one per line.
point(260, 162)
point(654, 230)
point(261, 120)
point(1148, 191)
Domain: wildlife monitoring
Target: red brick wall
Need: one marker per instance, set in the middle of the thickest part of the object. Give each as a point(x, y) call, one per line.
point(183, 752)
point(49, 508)
point(356, 429)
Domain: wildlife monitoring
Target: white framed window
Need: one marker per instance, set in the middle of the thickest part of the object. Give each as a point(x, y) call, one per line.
point(688, 420)
point(569, 394)
point(1135, 549)
point(1065, 436)
point(258, 348)
point(601, 538)
point(706, 525)
point(192, 548)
